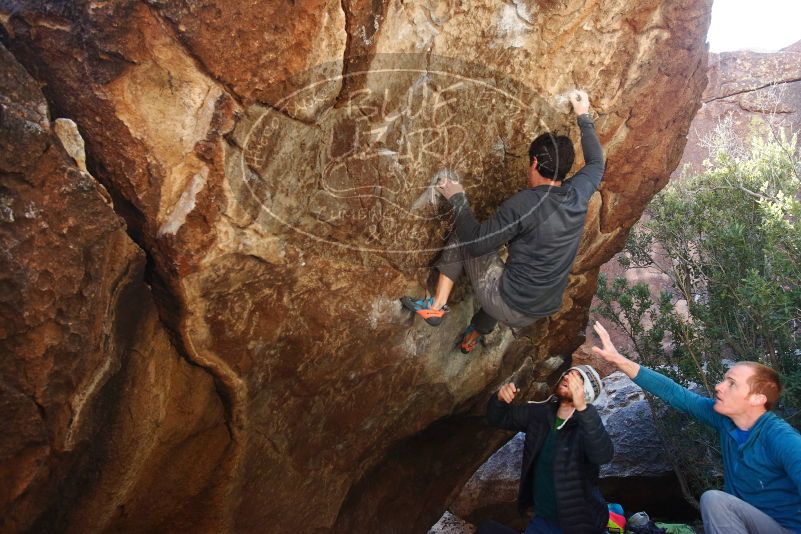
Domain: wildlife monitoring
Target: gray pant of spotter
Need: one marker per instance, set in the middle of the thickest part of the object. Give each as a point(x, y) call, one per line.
point(485, 276)
point(726, 514)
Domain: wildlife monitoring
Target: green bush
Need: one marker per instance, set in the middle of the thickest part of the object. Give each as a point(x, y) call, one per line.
point(728, 243)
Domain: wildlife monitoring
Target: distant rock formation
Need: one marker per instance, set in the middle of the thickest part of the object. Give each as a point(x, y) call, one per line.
point(746, 91)
point(223, 350)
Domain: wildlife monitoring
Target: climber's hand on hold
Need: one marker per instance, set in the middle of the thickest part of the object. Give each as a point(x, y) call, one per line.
point(580, 102)
point(449, 188)
point(507, 393)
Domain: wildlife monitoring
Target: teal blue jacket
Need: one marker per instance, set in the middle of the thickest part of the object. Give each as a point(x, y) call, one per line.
point(765, 471)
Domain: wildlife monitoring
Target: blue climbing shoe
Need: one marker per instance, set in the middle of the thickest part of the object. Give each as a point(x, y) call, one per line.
point(424, 308)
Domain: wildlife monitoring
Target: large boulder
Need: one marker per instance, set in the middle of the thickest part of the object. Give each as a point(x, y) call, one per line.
point(451, 524)
point(274, 162)
point(491, 493)
point(102, 415)
point(640, 476)
point(627, 416)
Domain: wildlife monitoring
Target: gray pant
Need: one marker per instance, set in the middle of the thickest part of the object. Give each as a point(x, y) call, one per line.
point(726, 514)
point(485, 276)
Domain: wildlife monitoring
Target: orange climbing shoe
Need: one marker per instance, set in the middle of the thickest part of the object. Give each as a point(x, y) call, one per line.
point(424, 308)
point(470, 339)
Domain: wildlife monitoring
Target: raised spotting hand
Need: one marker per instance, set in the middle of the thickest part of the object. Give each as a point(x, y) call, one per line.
point(610, 354)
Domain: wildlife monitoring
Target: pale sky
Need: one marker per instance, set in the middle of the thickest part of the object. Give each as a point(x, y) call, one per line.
point(759, 25)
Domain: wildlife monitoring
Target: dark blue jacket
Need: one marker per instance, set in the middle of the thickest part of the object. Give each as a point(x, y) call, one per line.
point(582, 446)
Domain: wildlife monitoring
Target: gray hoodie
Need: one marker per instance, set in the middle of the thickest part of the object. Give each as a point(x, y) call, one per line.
point(542, 226)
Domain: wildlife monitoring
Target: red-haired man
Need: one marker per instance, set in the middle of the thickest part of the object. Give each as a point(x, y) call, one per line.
point(761, 452)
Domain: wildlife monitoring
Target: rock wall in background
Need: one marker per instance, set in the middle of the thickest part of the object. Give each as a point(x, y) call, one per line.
point(216, 344)
point(747, 92)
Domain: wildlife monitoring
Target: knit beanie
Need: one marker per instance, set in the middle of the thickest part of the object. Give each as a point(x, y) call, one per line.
point(592, 381)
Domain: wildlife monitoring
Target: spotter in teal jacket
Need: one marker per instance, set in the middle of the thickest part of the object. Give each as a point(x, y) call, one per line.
point(765, 471)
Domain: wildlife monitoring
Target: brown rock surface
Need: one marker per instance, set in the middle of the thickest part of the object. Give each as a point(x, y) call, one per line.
point(91, 390)
point(284, 210)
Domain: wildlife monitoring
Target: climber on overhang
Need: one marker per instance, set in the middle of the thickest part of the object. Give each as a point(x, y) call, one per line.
point(542, 226)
